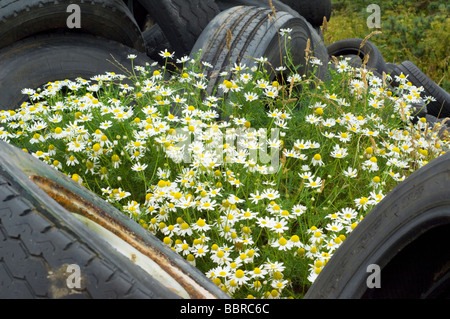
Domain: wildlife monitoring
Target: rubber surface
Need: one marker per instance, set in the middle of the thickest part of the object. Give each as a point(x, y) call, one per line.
point(110, 19)
point(255, 36)
point(279, 5)
point(155, 42)
point(39, 240)
point(35, 61)
point(313, 10)
point(439, 108)
point(40, 237)
point(443, 125)
point(352, 46)
point(405, 235)
point(181, 21)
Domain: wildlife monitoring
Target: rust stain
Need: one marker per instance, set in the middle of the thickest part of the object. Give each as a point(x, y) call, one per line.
point(76, 204)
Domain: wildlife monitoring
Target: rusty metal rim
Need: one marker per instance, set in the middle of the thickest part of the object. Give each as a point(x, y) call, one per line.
point(68, 196)
point(79, 206)
point(135, 256)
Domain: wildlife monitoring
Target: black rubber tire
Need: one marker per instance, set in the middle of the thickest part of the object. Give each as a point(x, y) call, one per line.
point(110, 19)
point(390, 67)
point(253, 36)
point(36, 249)
point(439, 108)
point(355, 61)
point(181, 21)
point(351, 46)
point(279, 5)
point(155, 42)
point(313, 10)
point(37, 60)
point(40, 236)
point(443, 125)
point(405, 235)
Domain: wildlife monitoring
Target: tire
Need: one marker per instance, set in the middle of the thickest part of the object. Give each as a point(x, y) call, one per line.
point(351, 46)
point(181, 21)
point(405, 235)
point(390, 67)
point(418, 110)
point(442, 129)
point(439, 108)
point(43, 228)
point(279, 5)
point(110, 19)
point(37, 60)
point(37, 250)
point(155, 42)
point(254, 37)
point(313, 10)
point(354, 61)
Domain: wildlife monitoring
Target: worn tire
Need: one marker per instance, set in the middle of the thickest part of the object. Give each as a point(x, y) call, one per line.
point(351, 46)
point(253, 36)
point(181, 21)
point(155, 42)
point(37, 60)
point(390, 67)
point(39, 240)
point(442, 127)
point(439, 108)
point(48, 221)
point(279, 5)
point(354, 61)
point(313, 10)
point(405, 235)
point(110, 19)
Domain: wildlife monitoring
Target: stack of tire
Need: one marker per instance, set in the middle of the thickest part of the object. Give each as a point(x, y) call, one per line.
point(49, 225)
point(37, 47)
point(352, 50)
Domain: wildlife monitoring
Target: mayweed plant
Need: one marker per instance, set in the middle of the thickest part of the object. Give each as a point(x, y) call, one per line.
point(187, 166)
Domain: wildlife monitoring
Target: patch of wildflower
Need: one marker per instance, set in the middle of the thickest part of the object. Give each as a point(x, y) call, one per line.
point(153, 145)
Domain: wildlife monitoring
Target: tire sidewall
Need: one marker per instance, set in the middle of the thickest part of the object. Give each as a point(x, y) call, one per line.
point(409, 210)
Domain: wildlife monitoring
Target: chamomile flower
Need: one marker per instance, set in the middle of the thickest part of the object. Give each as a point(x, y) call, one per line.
point(279, 226)
point(298, 209)
point(256, 197)
point(274, 266)
point(72, 161)
point(281, 244)
point(344, 137)
point(240, 277)
point(350, 172)
point(335, 226)
point(317, 160)
point(258, 273)
point(166, 54)
point(271, 92)
point(339, 152)
point(138, 167)
point(200, 250)
point(270, 194)
point(291, 153)
point(250, 96)
point(314, 183)
point(362, 203)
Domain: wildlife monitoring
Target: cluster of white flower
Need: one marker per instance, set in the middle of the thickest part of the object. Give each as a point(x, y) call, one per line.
point(156, 150)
